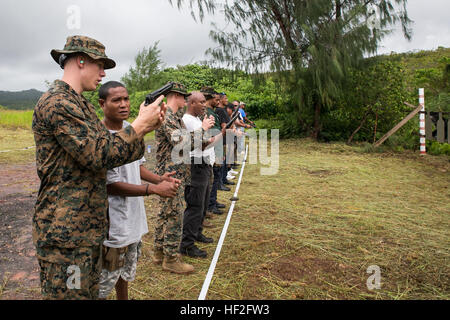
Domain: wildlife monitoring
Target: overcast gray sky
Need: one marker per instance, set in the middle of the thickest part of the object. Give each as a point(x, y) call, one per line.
point(30, 29)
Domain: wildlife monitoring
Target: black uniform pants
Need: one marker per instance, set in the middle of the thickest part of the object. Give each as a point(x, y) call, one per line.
point(197, 197)
point(217, 182)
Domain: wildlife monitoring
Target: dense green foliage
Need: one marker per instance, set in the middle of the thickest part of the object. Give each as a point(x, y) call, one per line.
point(262, 101)
point(429, 70)
point(377, 90)
point(373, 97)
point(145, 73)
point(311, 44)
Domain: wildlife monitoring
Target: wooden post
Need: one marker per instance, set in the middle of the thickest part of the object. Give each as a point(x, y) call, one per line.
point(422, 134)
point(440, 129)
point(448, 131)
point(428, 126)
point(399, 125)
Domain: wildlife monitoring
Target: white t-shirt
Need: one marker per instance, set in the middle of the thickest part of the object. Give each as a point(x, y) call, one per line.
point(127, 218)
point(194, 123)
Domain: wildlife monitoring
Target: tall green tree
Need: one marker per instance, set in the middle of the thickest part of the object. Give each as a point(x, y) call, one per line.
point(310, 43)
point(193, 76)
point(145, 74)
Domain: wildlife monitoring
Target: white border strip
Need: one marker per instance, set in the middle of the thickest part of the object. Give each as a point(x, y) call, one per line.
point(26, 148)
point(212, 266)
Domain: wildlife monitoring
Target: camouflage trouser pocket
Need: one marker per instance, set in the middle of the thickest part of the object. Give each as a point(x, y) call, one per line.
point(113, 258)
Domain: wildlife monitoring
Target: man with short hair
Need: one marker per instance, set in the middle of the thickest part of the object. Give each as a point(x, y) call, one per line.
point(230, 148)
point(240, 127)
point(224, 118)
point(197, 192)
point(74, 150)
point(244, 115)
point(127, 218)
point(168, 226)
point(212, 100)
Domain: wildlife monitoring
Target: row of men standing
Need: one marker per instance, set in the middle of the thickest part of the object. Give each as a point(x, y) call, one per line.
point(206, 116)
point(89, 216)
point(199, 174)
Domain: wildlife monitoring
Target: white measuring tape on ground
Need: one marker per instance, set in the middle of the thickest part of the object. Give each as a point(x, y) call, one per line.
point(212, 266)
point(26, 148)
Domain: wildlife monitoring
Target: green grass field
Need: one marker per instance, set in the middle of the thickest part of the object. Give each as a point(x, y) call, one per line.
point(312, 230)
point(16, 137)
point(16, 119)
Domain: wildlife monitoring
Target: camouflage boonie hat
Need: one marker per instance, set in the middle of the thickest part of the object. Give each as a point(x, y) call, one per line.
point(208, 92)
point(83, 44)
point(180, 88)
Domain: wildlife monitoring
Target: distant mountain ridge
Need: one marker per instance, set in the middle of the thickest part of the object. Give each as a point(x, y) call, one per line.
point(20, 100)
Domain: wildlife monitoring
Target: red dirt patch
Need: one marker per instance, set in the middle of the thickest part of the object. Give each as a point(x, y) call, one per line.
point(18, 179)
point(19, 270)
point(297, 267)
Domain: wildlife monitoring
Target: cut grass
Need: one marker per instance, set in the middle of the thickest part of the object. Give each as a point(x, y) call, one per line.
point(312, 230)
point(13, 144)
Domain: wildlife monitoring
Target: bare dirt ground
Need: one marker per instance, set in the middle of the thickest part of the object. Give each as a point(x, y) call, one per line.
point(19, 269)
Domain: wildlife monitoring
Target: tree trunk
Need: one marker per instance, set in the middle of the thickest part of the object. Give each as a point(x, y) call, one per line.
point(359, 127)
point(317, 124)
point(375, 129)
point(338, 9)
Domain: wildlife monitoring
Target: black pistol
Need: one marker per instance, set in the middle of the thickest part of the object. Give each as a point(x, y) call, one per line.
point(152, 96)
point(233, 117)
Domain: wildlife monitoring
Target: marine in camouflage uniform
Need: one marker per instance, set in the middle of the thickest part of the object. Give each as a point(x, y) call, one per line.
point(168, 226)
point(74, 150)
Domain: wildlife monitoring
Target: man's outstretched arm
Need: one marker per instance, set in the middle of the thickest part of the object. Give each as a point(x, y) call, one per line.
point(164, 189)
point(151, 177)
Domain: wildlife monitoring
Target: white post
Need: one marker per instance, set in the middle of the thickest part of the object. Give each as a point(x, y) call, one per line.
point(423, 150)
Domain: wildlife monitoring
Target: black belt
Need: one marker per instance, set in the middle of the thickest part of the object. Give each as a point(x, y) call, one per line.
point(203, 161)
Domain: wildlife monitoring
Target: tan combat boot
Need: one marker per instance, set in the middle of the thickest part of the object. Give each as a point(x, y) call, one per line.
point(208, 215)
point(176, 265)
point(207, 224)
point(158, 256)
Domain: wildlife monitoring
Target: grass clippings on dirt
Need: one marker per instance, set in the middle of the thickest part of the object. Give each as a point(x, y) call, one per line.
point(16, 146)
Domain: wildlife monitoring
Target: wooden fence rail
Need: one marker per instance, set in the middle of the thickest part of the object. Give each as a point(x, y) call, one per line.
point(432, 125)
point(437, 126)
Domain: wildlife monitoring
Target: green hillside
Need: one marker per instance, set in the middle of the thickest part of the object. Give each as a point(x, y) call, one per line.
point(429, 70)
point(20, 100)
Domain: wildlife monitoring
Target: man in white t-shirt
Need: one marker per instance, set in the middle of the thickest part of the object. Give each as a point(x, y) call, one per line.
point(197, 192)
point(127, 218)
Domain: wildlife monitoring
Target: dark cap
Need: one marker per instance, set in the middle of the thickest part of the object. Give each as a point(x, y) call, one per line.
point(179, 88)
point(208, 92)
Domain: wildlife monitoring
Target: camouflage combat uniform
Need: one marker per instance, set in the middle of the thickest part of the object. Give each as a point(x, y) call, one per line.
point(74, 150)
point(169, 224)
